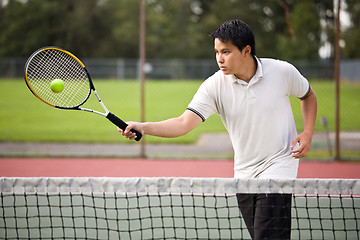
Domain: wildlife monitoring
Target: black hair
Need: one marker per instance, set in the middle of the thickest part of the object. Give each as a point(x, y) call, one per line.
point(236, 31)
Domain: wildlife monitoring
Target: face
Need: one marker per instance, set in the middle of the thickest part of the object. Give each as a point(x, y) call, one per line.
point(230, 59)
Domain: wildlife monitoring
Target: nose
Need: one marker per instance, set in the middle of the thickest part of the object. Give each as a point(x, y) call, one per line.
point(220, 58)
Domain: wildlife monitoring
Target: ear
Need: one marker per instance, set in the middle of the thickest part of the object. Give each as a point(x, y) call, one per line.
point(246, 50)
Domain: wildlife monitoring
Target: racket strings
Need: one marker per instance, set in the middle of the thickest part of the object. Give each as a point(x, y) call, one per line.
point(50, 64)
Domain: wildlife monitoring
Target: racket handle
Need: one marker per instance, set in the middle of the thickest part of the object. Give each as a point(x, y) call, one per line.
point(121, 124)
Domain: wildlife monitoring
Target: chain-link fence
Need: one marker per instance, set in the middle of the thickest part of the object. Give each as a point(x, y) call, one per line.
point(208, 142)
point(173, 69)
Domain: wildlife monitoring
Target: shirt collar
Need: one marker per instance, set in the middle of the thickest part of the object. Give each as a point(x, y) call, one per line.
point(257, 76)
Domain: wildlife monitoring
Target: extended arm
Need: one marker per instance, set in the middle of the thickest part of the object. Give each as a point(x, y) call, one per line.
point(171, 128)
point(309, 110)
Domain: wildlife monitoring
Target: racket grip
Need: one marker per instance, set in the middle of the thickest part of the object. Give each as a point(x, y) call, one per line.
point(121, 124)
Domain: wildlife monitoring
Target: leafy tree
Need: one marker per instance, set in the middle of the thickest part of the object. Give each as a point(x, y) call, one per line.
point(286, 29)
point(304, 42)
point(121, 40)
point(351, 35)
point(28, 26)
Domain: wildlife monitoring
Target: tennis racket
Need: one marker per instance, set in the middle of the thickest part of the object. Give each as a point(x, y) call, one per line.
point(50, 63)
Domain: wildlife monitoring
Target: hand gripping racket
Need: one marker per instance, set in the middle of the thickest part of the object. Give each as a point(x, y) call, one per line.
point(50, 63)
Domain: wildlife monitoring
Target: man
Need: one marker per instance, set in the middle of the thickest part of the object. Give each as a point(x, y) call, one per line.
point(252, 97)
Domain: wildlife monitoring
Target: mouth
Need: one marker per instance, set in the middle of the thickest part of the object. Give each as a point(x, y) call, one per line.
point(223, 68)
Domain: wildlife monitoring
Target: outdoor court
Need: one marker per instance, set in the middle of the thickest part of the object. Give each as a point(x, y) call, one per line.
point(116, 167)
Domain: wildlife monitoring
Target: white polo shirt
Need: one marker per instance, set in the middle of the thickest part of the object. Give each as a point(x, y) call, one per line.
point(257, 115)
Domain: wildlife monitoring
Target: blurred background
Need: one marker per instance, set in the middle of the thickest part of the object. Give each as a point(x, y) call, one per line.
point(105, 35)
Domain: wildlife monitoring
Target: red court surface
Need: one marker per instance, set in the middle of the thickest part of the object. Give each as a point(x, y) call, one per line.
point(77, 167)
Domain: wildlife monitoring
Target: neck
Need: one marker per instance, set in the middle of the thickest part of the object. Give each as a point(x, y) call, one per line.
point(250, 67)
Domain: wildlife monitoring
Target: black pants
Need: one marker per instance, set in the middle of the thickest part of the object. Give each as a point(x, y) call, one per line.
point(267, 216)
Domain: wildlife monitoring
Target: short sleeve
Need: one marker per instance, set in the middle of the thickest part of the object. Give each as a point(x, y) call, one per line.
point(203, 102)
point(298, 84)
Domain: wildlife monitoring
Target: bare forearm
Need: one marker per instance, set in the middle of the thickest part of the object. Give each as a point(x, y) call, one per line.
point(309, 110)
point(173, 127)
point(170, 128)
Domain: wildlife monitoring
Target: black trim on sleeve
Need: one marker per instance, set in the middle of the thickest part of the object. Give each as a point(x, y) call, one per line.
point(197, 113)
point(307, 92)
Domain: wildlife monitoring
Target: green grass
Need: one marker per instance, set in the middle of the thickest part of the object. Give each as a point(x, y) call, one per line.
point(325, 92)
point(24, 118)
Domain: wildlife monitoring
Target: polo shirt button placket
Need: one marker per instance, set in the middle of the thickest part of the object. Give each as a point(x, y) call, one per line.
point(250, 94)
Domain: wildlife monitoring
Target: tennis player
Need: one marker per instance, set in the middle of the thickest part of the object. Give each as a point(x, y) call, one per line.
point(251, 95)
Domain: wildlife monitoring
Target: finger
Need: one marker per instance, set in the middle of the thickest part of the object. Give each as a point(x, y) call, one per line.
point(127, 129)
point(132, 137)
point(301, 152)
point(124, 132)
point(299, 149)
point(297, 153)
point(128, 133)
point(293, 144)
point(297, 156)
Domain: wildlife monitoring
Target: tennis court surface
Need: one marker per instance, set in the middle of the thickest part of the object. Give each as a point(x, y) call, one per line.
point(115, 167)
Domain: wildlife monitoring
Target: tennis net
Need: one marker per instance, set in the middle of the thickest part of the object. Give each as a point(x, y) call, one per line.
point(169, 208)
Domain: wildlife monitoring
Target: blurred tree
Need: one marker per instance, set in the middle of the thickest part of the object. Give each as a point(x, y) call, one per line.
point(286, 29)
point(83, 27)
point(27, 26)
point(303, 41)
point(175, 30)
point(326, 13)
point(18, 35)
point(121, 39)
point(351, 36)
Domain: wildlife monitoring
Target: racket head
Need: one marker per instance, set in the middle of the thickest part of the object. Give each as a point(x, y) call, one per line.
point(49, 63)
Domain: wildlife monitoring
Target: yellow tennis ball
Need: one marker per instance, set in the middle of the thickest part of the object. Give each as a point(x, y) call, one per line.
point(57, 85)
